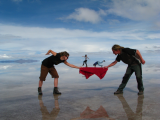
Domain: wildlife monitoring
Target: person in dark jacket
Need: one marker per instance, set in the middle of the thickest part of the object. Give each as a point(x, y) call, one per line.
point(48, 67)
point(134, 59)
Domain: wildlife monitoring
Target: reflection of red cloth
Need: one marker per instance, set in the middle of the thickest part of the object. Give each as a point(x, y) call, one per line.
point(100, 113)
point(89, 71)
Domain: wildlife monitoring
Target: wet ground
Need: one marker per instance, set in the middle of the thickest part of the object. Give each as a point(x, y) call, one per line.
point(81, 99)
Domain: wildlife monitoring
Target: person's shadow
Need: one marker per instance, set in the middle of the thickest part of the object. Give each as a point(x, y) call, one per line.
point(88, 113)
point(54, 113)
point(137, 115)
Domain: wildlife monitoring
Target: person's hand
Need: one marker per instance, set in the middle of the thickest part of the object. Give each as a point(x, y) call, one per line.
point(143, 61)
point(47, 53)
point(105, 67)
point(80, 67)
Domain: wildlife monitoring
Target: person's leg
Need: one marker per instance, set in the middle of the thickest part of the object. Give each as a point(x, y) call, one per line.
point(43, 74)
point(55, 75)
point(55, 82)
point(40, 83)
point(85, 62)
point(99, 65)
point(126, 77)
point(94, 64)
point(55, 90)
point(138, 73)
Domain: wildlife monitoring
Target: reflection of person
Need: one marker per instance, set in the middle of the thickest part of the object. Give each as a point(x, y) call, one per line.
point(54, 113)
point(98, 63)
point(85, 61)
point(130, 57)
point(130, 114)
point(48, 67)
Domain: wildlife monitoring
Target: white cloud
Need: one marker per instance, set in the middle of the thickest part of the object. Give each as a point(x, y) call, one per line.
point(154, 36)
point(5, 56)
point(135, 9)
point(59, 39)
point(157, 24)
point(102, 12)
point(143, 10)
point(146, 46)
point(62, 33)
point(113, 21)
point(87, 15)
point(5, 66)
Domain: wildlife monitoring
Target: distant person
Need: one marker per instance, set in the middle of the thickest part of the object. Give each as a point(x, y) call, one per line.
point(48, 67)
point(85, 61)
point(98, 63)
point(133, 58)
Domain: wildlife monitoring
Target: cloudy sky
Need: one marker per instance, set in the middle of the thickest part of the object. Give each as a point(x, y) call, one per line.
point(32, 27)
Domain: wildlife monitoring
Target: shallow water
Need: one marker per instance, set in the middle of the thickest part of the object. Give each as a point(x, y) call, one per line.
point(81, 98)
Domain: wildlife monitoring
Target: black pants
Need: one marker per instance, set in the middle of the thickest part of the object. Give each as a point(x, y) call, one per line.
point(85, 62)
point(138, 72)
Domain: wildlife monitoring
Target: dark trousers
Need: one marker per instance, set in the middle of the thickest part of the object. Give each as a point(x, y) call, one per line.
point(138, 72)
point(85, 62)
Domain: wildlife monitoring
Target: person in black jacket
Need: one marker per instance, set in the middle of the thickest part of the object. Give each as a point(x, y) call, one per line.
point(48, 67)
point(134, 59)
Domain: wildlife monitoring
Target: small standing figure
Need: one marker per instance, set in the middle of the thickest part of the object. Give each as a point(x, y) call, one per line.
point(98, 63)
point(85, 61)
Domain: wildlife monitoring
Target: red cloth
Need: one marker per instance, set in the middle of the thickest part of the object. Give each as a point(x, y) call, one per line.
point(89, 71)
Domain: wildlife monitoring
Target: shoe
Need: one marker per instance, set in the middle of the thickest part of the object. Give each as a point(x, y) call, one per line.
point(55, 91)
point(140, 92)
point(118, 92)
point(39, 91)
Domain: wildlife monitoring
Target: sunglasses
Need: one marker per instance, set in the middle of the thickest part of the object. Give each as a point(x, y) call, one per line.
point(67, 57)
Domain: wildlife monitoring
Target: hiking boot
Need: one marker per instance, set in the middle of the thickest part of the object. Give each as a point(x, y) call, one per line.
point(140, 92)
point(118, 92)
point(55, 91)
point(39, 91)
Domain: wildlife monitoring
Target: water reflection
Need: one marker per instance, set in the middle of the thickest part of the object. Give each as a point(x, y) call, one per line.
point(89, 113)
point(130, 114)
point(54, 113)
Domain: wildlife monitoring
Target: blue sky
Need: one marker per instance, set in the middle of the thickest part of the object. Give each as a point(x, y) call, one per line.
point(32, 27)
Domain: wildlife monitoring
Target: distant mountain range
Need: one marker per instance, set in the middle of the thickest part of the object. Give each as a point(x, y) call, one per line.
point(19, 61)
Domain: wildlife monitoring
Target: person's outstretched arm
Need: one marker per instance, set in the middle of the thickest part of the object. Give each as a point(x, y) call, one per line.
point(110, 65)
point(52, 52)
point(140, 56)
point(70, 65)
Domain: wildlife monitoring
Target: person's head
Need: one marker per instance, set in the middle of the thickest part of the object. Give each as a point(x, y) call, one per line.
point(64, 54)
point(85, 55)
point(117, 49)
point(103, 60)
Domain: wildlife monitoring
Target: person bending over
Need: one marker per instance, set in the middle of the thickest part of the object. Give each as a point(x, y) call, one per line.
point(47, 66)
point(98, 63)
point(134, 59)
